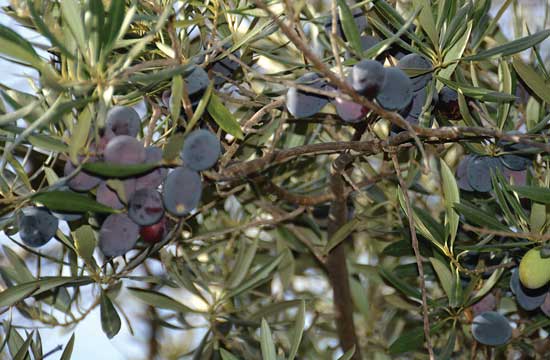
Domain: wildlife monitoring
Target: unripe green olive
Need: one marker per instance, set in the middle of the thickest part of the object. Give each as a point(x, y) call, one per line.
point(534, 270)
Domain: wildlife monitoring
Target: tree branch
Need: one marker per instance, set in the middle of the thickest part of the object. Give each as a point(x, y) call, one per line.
point(371, 147)
point(336, 259)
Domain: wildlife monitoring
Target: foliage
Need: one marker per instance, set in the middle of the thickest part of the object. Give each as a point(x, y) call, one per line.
point(330, 226)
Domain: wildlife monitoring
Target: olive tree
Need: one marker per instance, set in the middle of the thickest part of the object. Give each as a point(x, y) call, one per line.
point(309, 179)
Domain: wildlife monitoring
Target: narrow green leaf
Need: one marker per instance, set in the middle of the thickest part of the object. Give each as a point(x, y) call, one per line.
point(242, 263)
point(115, 20)
point(445, 277)
point(24, 275)
point(53, 114)
point(45, 30)
point(349, 26)
point(15, 47)
point(70, 201)
point(80, 134)
point(537, 217)
point(445, 10)
point(164, 74)
point(20, 171)
point(263, 30)
point(412, 339)
point(358, 295)
point(266, 342)
point(72, 15)
point(175, 98)
point(452, 196)
point(47, 283)
point(479, 217)
point(391, 37)
point(477, 92)
point(68, 351)
point(200, 107)
point(487, 286)
point(455, 53)
point(418, 223)
point(537, 194)
point(273, 309)
point(403, 248)
point(400, 285)
point(112, 170)
point(14, 339)
point(253, 280)
point(159, 300)
point(97, 32)
point(179, 272)
point(194, 21)
point(173, 147)
point(510, 48)
point(447, 351)
point(16, 293)
point(426, 19)
point(533, 116)
point(341, 234)
point(110, 320)
point(223, 117)
point(36, 346)
point(533, 79)
point(505, 86)
point(499, 189)
point(383, 45)
point(19, 113)
point(388, 12)
point(465, 110)
point(23, 352)
point(298, 330)
point(457, 23)
point(226, 355)
point(49, 143)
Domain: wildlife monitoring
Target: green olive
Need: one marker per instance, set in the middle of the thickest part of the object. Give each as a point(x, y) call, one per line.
point(534, 270)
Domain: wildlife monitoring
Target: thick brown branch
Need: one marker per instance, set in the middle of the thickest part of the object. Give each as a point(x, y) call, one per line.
point(336, 260)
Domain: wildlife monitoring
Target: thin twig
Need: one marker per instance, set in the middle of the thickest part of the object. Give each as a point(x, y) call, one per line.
point(152, 123)
point(519, 235)
point(416, 254)
point(333, 38)
point(258, 223)
point(254, 119)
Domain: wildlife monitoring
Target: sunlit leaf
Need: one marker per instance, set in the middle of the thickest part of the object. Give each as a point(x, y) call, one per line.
point(513, 47)
point(224, 117)
point(266, 341)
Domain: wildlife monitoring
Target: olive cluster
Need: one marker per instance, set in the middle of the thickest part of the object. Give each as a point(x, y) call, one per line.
point(530, 284)
point(390, 87)
point(141, 200)
point(474, 171)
